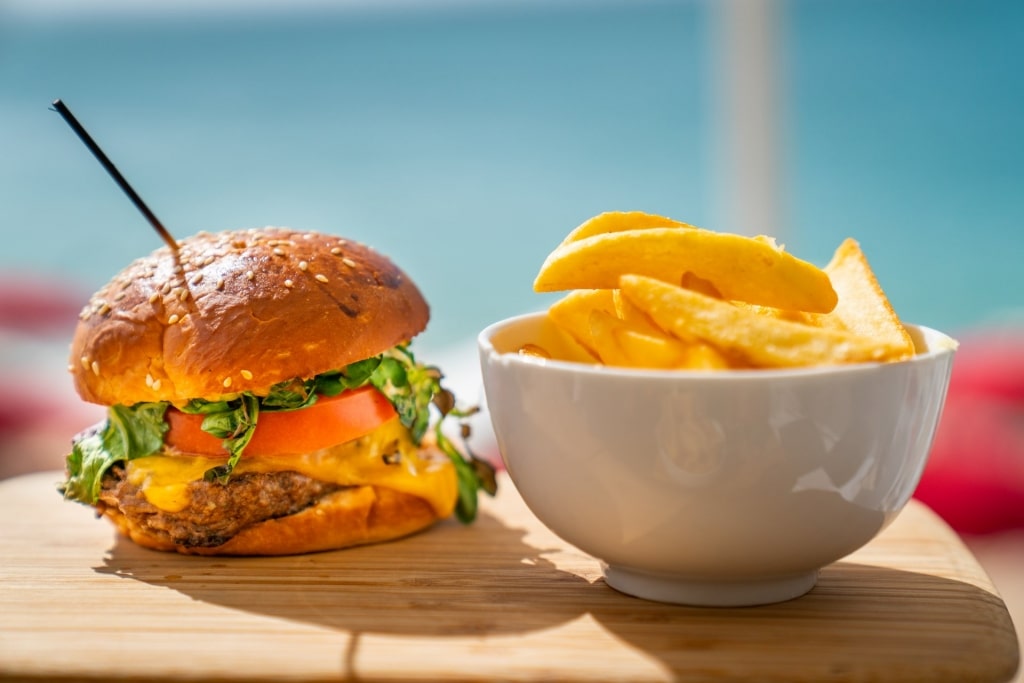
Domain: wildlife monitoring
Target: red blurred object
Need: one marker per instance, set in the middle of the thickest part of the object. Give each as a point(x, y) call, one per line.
point(975, 474)
point(39, 409)
point(31, 304)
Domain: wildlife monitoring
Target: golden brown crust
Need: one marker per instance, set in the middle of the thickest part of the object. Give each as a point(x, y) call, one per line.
point(240, 311)
point(349, 517)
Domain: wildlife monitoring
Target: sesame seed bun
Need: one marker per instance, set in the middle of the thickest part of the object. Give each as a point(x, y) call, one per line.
point(239, 311)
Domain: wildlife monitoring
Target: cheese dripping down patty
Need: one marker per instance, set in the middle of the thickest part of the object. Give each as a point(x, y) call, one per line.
point(386, 458)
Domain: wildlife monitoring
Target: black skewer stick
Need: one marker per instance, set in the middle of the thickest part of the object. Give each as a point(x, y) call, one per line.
point(61, 108)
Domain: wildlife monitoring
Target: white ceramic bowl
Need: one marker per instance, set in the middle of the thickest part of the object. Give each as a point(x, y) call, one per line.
point(711, 488)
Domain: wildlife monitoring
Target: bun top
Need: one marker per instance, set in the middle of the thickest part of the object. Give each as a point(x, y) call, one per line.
point(240, 311)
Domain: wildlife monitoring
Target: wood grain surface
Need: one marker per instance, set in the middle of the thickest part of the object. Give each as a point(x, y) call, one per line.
point(501, 599)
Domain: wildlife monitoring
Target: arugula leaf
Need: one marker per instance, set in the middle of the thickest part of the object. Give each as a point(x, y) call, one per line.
point(129, 432)
point(409, 386)
point(472, 475)
point(357, 374)
point(236, 427)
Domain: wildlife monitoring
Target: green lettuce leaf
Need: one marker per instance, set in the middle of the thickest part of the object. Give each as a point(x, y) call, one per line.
point(129, 432)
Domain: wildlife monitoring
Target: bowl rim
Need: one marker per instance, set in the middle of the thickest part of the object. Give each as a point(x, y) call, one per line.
point(941, 345)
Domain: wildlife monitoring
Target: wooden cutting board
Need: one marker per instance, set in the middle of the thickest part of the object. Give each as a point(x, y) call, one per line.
point(502, 599)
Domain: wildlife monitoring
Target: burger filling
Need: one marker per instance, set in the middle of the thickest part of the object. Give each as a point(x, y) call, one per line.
point(201, 501)
point(168, 497)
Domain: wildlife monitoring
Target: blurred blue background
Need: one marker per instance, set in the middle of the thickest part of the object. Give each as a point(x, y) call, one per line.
point(466, 139)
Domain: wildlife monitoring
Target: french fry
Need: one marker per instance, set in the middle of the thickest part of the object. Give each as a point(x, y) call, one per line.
point(618, 342)
point(619, 221)
point(766, 341)
point(703, 356)
point(863, 307)
point(614, 341)
point(572, 314)
point(813, 319)
point(625, 310)
point(744, 268)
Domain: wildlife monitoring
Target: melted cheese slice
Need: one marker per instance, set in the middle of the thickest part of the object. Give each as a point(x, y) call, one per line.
point(386, 457)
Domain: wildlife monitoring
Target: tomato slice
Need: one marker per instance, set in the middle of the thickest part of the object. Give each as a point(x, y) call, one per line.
point(330, 421)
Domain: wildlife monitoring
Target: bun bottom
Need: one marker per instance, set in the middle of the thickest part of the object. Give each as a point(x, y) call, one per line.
point(352, 516)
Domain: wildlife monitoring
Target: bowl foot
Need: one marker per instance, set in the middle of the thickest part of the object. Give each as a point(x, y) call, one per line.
point(700, 593)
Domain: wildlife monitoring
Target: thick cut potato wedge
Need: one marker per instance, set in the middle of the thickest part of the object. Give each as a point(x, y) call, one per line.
point(619, 342)
point(619, 221)
point(572, 312)
point(625, 310)
point(863, 307)
point(764, 340)
point(748, 269)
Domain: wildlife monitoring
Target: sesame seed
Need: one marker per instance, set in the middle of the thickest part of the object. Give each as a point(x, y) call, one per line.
point(348, 262)
point(183, 294)
point(249, 275)
point(226, 382)
point(154, 297)
point(278, 251)
point(173, 319)
point(208, 260)
point(85, 362)
point(220, 283)
point(197, 279)
point(104, 309)
point(245, 374)
point(156, 385)
point(289, 283)
point(321, 277)
point(336, 250)
point(96, 368)
point(149, 380)
point(303, 265)
point(166, 288)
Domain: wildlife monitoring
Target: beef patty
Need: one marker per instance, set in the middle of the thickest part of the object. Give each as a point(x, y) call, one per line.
point(216, 512)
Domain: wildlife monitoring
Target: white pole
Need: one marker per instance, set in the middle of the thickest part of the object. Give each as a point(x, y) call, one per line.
point(747, 119)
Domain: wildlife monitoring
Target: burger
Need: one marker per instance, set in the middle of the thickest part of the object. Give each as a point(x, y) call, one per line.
point(263, 399)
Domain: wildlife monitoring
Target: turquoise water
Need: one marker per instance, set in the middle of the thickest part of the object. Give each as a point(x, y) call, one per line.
point(466, 142)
